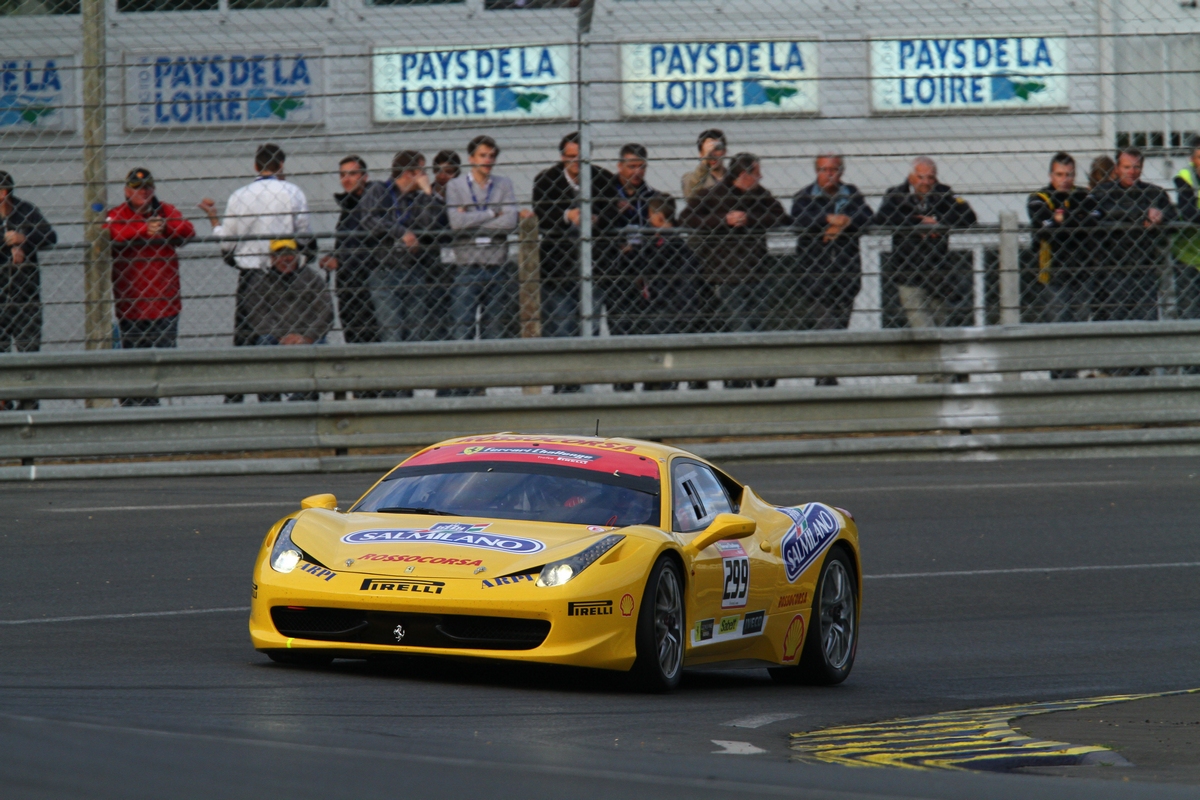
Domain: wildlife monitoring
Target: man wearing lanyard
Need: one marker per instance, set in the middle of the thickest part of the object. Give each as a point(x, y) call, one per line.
point(482, 210)
point(394, 215)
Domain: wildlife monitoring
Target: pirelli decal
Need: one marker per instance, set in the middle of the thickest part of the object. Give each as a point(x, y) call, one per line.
point(590, 608)
point(410, 585)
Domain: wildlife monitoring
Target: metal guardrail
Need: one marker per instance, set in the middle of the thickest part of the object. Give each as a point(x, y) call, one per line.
point(983, 416)
point(537, 362)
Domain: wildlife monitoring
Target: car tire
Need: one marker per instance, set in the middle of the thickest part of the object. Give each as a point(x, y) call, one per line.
point(832, 642)
point(300, 658)
point(660, 629)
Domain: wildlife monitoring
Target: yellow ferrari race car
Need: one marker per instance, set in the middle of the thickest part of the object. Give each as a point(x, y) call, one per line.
point(610, 553)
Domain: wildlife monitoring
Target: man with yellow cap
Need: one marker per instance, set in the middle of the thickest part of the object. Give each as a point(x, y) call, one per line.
point(289, 304)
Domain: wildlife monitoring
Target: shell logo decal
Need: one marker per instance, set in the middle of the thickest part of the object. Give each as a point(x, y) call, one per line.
point(792, 639)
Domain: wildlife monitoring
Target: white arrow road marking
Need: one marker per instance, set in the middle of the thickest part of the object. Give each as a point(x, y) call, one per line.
point(736, 748)
point(758, 720)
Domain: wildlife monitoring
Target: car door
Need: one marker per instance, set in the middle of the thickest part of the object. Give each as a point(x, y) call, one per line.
point(722, 583)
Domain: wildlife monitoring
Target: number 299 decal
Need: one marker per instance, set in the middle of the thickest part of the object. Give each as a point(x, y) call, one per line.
point(736, 567)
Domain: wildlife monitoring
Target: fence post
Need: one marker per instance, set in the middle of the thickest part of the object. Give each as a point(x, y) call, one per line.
point(529, 285)
point(96, 266)
point(588, 321)
point(1010, 271)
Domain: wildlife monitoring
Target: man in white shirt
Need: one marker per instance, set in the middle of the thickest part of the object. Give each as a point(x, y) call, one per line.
point(269, 208)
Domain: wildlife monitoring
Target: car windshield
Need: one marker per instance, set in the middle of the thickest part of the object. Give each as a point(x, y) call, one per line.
point(507, 490)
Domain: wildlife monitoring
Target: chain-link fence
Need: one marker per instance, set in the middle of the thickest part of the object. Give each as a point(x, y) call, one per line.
point(523, 168)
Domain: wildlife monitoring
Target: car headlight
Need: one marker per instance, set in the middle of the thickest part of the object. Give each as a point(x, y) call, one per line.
point(285, 555)
point(556, 573)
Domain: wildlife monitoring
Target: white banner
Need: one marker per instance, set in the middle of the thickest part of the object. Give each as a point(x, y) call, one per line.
point(37, 94)
point(435, 85)
point(187, 90)
point(1013, 73)
point(713, 79)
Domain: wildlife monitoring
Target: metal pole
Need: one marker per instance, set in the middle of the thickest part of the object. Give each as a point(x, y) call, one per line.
point(96, 275)
point(1108, 78)
point(586, 295)
point(1010, 275)
point(1168, 168)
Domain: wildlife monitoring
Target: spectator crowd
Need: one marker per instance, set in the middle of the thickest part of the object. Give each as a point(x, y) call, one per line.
point(424, 254)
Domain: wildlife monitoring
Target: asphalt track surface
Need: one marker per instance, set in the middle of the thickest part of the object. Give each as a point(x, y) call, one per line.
point(973, 598)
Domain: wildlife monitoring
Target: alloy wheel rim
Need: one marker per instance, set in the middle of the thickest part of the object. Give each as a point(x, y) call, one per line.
point(837, 615)
point(668, 631)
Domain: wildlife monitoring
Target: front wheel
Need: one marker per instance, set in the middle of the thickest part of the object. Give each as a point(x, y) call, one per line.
point(832, 642)
point(659, 664)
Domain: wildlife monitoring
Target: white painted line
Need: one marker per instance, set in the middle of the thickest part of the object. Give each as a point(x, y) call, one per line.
point(125, 616)
point(933, 487)
point(758, 720)
point(266, 504)
point(1028, 570)
point(736, 748)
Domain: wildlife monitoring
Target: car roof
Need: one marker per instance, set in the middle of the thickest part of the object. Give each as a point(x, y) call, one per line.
point(656, 450)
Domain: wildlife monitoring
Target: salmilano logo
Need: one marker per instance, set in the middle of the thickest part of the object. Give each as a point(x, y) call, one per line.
point(814, 527)
point(458, 534)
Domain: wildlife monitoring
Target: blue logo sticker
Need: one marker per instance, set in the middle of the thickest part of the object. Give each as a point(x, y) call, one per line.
point(318, 571)
point(460, 534)
point(814, 527)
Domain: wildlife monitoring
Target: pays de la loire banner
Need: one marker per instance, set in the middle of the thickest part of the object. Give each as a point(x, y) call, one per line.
point(190, 90)
point(416, 84)
point(37, 94)
point(712, 79)
point(969, 74)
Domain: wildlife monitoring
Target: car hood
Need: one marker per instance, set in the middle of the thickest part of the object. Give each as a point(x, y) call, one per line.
point(431, 546)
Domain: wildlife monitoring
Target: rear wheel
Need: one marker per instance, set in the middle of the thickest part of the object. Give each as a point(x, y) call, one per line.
point(659, 664)
point(832, 641)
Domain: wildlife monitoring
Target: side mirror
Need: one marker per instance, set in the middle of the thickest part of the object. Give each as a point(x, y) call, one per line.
point(725, 526)
point(326, 501)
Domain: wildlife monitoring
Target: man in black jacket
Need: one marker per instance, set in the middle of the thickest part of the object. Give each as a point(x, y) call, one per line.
point(663, 276)
point(921, 209)
point(394, 214)
point(731, 219)
point(556, 204)
point(1132, 212)
point(616, 284)
point(828, 214)
point(26, 232)
point(1060, 220)
point(352, 256)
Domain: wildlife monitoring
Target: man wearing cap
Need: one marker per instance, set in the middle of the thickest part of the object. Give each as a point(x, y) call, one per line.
point(289, 304)
point(25, 232)
point(145, 233)
point(269, 206)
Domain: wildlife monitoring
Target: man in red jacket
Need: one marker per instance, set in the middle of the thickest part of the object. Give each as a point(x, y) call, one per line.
point(145, 233)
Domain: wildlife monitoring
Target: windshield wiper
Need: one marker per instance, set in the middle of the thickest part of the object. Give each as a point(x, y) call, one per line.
point(414, 510)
